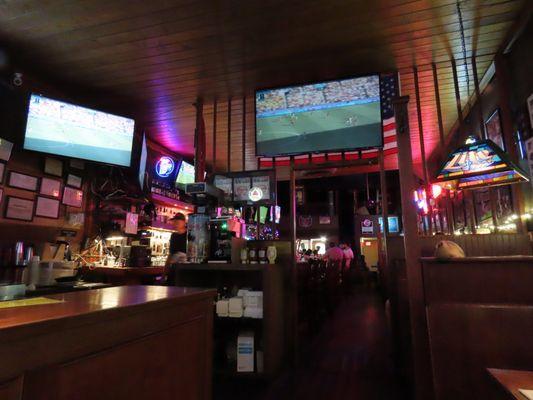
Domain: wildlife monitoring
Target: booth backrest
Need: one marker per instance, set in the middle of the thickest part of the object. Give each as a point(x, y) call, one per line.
point(473, 245)
point(479, 316)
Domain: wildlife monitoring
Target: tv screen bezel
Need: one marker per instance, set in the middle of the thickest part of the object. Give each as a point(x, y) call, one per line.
point(26, 115)
point(144, 144)
point(257, 154)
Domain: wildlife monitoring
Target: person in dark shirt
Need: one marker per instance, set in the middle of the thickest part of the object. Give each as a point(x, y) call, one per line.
point(178, 240)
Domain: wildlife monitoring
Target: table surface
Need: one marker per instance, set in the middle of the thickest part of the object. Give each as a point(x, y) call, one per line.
point(78, 304)
point(512, 380)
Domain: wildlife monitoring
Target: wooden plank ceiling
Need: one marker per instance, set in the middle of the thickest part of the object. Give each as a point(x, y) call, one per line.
point(161, 54)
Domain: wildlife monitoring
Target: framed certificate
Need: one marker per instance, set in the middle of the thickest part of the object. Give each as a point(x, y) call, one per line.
point(5, 149)
point(21, 209)
point(50, 187)
point(23, 181)
point(74, 181)
point(72, 197)
point(53, 166)
point(47, 208)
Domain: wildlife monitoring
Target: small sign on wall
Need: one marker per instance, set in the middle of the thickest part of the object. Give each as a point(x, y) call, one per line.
point(324, 220)
point(367, 226)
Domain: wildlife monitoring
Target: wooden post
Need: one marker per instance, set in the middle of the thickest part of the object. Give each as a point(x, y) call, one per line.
point(294, 265)
point(421, 351)
point(215, 135)
point(502, 79)
point(422, 146)
point(439, 109)
point(385, 218)
point(229, 135)
point(244, 133)
point(199, 142)
point(457, 98)
point(258, 221)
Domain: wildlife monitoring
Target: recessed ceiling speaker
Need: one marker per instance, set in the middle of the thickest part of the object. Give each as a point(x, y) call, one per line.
point(17, 79)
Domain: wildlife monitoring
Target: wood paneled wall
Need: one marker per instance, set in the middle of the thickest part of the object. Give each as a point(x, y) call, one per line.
point(219, 136)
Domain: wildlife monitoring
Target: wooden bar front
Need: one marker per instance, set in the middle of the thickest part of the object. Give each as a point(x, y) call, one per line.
point(132, 342)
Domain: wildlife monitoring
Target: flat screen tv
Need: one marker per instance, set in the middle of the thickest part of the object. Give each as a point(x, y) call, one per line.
point(142, 163)
point(64, 129)
point(326, 116)
point(394, 224)
point(185, 174)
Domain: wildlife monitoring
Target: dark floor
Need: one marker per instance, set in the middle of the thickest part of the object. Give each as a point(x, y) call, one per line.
point(350, 359)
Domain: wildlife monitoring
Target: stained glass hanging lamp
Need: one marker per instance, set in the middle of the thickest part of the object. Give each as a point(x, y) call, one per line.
point(479, 163)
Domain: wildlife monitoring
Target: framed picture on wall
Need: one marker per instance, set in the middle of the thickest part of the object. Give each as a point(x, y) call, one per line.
point(47, 208)
point(529, 157)
point(72, 197)
point(50, 187)
point(23, 181)
point(482, 206)
point(74, 181)
point(493, 128)
point(530, 109)
point(18, 208)
point(53, 166)
point(504, 203)
point(459, 211)
point(5, 149)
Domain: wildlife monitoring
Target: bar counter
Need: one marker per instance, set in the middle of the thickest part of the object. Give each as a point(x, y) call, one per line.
point(130, 342)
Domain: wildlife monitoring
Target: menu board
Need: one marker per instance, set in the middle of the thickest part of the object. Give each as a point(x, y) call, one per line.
point(263, 183)
point(241, 187)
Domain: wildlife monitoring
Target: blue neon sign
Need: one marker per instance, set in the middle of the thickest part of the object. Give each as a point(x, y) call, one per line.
point(164, 167)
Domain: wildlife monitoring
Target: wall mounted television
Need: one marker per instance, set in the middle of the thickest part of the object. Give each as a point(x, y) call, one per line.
point(185, 174)
point(325, 116)
point(68, 130)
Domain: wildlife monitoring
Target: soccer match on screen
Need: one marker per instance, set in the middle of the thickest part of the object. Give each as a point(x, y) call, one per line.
point(334, 115)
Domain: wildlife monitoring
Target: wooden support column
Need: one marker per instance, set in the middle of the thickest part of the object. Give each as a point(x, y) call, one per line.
point(385, 218)
point(502, 80)
point(199, 142)
point(422, 145)
point(244, 133)
point(215, 135)
point(439, 109)
point(294, 269)
point(421, 352)
point(229, 135)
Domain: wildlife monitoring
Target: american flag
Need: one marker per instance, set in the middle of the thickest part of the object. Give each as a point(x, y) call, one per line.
point(388, 91)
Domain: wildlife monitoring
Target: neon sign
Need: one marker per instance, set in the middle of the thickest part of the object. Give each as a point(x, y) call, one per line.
point(164, 167)
point(255, 194)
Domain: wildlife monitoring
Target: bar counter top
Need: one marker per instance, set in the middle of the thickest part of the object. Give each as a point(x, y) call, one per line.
point(79, 304)
point(124, 343)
